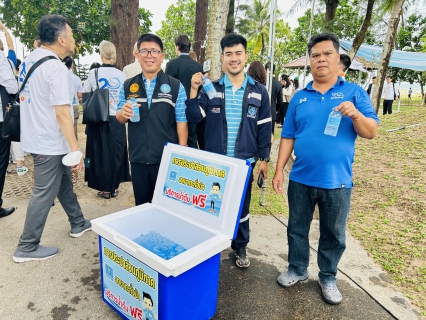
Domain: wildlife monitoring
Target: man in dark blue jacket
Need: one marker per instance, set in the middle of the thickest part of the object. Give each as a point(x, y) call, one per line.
point(238, 122)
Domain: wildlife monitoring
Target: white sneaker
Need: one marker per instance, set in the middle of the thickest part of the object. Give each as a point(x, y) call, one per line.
point(21, 170)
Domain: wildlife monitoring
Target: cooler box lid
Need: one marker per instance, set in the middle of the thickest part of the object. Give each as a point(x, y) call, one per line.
point(203, 187)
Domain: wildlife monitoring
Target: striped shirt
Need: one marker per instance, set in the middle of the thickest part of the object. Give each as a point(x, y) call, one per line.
point(180, 105)
point(233, 111)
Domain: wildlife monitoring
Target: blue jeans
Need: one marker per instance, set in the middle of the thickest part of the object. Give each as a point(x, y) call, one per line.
point(333, 207)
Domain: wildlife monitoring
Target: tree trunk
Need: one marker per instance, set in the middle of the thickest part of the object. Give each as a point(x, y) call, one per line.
point(124, 29)
point(216, 31)
point(387, 51)
point(330, 9)
point(360, 36)
point(422, 90)
point(231, 20)
point(200, 31)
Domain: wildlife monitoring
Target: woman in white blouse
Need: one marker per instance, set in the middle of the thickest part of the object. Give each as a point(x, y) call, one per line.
point(287, 92)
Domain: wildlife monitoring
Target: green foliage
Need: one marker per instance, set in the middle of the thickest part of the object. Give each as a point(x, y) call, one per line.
point(253, 23)
point(180, 19)
point(145, 23)
point(22, 17)
point(412, 38)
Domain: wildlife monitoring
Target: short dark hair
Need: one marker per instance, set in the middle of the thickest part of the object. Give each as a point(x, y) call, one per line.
point(324, 37)
point(150, 37)
point(183, 43)
point(233, 39)
point(389, 76)
point(51, 27)
point(68, 61)
point(374, 77)
point(216, 184)
point(345, 61)
point(148, 296)
point(268, 64)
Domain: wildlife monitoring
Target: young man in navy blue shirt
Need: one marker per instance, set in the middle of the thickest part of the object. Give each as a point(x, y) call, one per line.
point(238, 122)
point(322, 171)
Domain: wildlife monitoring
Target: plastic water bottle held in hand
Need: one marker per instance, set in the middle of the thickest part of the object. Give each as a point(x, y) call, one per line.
point(209, 87)
point(136, 116)
point(333, 123)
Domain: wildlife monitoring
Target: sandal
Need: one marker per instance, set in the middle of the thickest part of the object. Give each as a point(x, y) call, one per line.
point(105, 195)
point(115, 194)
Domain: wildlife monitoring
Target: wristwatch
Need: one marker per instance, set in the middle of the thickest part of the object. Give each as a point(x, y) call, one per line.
point(264, 159)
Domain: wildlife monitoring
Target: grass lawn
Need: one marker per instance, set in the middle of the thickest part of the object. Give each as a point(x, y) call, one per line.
point(388, 209)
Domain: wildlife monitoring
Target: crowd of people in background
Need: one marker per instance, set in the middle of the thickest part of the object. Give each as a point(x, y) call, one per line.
point(173, 107)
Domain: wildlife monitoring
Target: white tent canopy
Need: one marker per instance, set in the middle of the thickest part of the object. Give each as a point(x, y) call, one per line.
point(399, 59)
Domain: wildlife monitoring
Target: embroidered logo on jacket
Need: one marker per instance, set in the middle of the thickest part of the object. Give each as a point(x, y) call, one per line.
point(134, 88)
point(251, 112)
point(215, 110)
point(165, 88)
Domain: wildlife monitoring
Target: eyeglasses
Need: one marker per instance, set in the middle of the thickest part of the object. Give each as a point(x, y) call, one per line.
point(154, 53)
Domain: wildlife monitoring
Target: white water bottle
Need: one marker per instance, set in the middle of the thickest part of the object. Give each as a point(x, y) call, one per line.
point(333, 123)
point(209, 87)
point(136, 116)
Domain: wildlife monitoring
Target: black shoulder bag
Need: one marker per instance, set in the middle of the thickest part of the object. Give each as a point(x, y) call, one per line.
point(11, 129)
point(96, 105)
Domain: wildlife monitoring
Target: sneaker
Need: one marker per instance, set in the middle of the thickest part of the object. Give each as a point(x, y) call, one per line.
point(330, 292)
point(241, 259)
point(78, 231)
point(42, 253)
point(290, 278)
point(21, 170)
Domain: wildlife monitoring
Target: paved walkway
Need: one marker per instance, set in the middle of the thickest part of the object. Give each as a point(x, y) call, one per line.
point(68, 285)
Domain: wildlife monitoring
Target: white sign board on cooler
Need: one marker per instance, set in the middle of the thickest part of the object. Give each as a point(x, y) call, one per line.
point(197, 202)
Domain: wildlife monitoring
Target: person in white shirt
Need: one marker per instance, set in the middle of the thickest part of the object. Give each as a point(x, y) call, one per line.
point(134, 68)
point(47, 132)
point(8, 87)
point(76, 91)
point(287, 93)
point(390, 93)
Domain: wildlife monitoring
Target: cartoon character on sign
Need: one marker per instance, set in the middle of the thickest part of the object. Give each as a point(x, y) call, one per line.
point(148, 305)
point(214, 195)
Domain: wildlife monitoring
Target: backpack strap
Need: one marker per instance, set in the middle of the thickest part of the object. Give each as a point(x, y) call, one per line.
point(33, 67)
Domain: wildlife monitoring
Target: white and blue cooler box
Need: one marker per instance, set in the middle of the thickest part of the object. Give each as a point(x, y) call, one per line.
point(187, 210)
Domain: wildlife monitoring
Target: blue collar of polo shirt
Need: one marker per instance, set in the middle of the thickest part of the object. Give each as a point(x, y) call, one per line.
point(152, 81)
point(225, 80)
point(340, 80)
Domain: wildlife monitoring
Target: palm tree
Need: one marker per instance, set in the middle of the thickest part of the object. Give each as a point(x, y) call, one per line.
point(330, 11)
point(216, 30)
point(255, 24)
point(200, 30)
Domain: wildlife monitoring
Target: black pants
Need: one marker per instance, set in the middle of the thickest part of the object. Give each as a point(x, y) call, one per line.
point(201, 126)
point(192, 135)
point(284, 108)
point(4, 161)
point(387, 106)
point(243, 233)
point(144, 177)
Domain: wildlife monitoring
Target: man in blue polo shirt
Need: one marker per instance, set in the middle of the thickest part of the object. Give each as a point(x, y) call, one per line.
point(238, 122)
point(322, 171)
